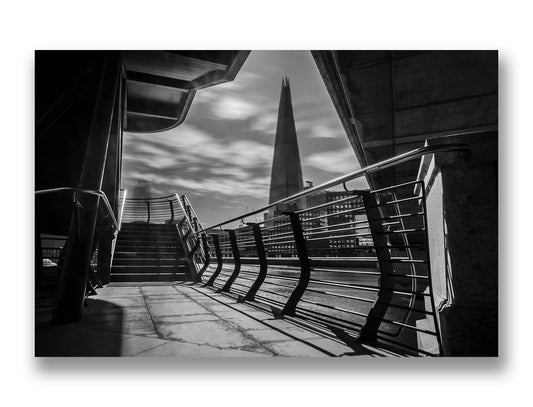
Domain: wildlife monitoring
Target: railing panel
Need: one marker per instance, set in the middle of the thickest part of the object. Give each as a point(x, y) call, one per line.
point(162, 210)
point(343, 288)
point(350, 260)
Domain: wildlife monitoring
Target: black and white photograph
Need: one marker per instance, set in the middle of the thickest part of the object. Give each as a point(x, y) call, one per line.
point(266, 203)
point(281, 203)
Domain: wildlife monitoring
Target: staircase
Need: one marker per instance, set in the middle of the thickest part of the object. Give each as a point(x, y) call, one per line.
point(149, 252)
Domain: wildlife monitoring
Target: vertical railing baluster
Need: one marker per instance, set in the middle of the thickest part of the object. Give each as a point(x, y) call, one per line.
point(148, 210)
point(207, 258)
point(171, 210)
point(386, 281)
point(236, 259)
point(263, 266)
point(218, 253)
point(305, 265)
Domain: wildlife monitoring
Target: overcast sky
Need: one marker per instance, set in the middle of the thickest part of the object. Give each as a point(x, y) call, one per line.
point(221, 155)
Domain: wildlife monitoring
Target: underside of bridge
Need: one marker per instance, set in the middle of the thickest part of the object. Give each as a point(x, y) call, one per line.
point(390, 102)
point(394, 270)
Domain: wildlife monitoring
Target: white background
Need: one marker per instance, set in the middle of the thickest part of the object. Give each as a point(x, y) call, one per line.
point(26, 26)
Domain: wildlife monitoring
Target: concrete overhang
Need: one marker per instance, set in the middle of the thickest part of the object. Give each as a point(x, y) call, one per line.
point(160, 85)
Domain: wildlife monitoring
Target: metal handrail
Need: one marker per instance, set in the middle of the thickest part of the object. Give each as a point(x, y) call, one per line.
point(195, 215)
point(152, 199)
point(122, 208)
point(183, 210)
point(99, 193)
point(390, 162)
point(156, 209)
point(189, 225)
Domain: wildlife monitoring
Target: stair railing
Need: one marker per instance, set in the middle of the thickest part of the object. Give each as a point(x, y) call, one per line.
point(194, 220)
point(190, 242)
point(93, 281)
point(156, 210)
point(99, 193)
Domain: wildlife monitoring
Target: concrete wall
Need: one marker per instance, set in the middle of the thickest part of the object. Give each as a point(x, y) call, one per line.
point(398, 99)
point(462, 212)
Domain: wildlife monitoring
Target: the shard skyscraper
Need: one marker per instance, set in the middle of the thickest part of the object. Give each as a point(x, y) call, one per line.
point(286, 178)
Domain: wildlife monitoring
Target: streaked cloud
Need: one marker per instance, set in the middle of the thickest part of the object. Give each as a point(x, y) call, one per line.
point(254, 187)
point(266, 122)
point(320, 130)
point(222, 154)
point(233, 108)
point(337, 161)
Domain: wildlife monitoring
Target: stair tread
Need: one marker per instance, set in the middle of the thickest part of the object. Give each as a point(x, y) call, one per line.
point(148, 252)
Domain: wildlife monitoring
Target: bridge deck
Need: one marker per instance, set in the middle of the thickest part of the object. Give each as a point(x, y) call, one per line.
point(181, 319)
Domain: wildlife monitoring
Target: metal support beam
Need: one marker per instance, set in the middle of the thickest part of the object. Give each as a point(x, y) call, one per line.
point(73, 282)
point(305, 265)
point(236, 258)
point(218, 253)
point(110, 186)
point(263, 266)
point(386, 281)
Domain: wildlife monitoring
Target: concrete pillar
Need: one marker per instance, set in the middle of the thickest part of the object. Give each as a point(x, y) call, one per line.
point(71, 293)
point(111, 186)
point(462, 213)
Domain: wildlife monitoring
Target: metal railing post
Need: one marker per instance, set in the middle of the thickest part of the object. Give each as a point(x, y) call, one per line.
point(305, 265)
point(236, 259)
point(218, 253)
point(263, 266)
point(386, 281)
point(184, 240)
point(207, 259)
point(171, 211)
point(195, 224)
point(148, 210)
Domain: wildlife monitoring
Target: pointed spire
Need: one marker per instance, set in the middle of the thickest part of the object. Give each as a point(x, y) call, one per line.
point(286, 178)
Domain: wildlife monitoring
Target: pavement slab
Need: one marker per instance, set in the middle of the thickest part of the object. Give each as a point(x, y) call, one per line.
point(179, 320)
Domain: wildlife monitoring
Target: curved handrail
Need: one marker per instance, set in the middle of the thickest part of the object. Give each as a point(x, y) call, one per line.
point(390, 162)
point(99, 193)
point(193, 211)
point(153, 198)
point(200, 248)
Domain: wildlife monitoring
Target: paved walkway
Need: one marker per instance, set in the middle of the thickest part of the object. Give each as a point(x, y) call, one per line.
point(180, 320)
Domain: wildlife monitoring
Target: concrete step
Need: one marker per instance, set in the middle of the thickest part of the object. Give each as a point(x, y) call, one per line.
point(120, 278)
point(147, 226)
point(140, 269)
point(147, 248)
point(148, 236)
point(164, 255)
point(164, 229)
point(148, 261)
point(153, 241)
